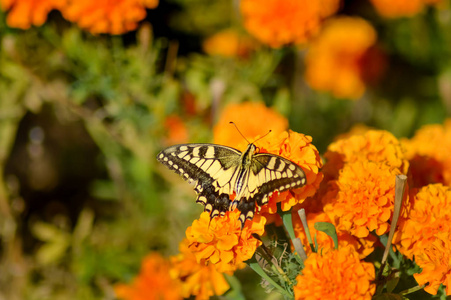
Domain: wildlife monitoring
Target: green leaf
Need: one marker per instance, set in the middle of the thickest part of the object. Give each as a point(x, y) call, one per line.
point(388, 296)
point(328, 229)
point(392, 284)
point(235, 292)
point(253, 264)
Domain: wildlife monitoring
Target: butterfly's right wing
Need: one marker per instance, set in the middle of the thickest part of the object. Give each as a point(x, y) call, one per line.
point(214, 168)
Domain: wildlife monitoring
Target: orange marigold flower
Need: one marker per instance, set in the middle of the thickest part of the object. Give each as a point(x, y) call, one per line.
point(228, 43)
point(362, 198)
point(435, 264)
point(374, 145)
point(153, 282)
point(177, 133)
point(104, 16)
point(263, 120)
point(357, 129)
point(325, 243)
point(334, 59)
point(337, 274)
point(24, 13)
point(279, 23)
point(200, 280)
point(220, 241)
point(401, 8)
point(428, 153)
point(299, 149)
point(426, 236)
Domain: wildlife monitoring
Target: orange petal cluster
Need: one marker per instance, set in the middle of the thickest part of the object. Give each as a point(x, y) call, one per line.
point(104, 16)
point(264, 119)
point(299, 149)
point(178, 277)
point(426, 236)
point(325, 243)
point(428, 153)
point(24, 13)
point(373, 145)
point(177, 133)
point(221, 242)
point(360, 189)
point(335, 59)
point(362, 198)
point(200, 280)
point(282, 22)
point(153, 282)
point(401, 8)
point(229, 43)
point(337, 274)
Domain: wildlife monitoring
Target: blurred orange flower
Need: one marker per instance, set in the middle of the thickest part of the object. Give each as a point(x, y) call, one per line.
point(221, 242)
point(426, 236)
point(401, 8)
point(177, 133)
point(263, 120)
point(229, 43)
point(299, 149)
point(104, 16)
point(282, 22)
point(202, 281)
point(24, 13)
point(334, 62)
point(362, 198)
point(325, 242)
point(153, 282)
point(373, 145)
point(337, 274)
point(428, 153)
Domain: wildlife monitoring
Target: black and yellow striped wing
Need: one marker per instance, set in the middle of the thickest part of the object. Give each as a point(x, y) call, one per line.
point(219, 171)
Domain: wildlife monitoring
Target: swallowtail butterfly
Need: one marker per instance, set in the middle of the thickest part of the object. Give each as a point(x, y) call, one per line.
point(219, 171)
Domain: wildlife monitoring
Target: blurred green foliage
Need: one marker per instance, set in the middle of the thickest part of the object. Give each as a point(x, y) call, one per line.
point(82, 204)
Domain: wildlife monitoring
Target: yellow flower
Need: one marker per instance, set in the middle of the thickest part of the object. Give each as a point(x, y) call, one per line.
point(104, 16)
point(362, 198)
point(425, 235)
point(335, 59)
point(337, 274)
point(282, 22)
point(374, 145)
point(24, 13)
point(299, 149)
point(228, 43)
point(428, 153)
point(401, 8)
point(221, 242)
point(152, 283)
point(325, 243)
point(263, 120)
point(200, 280)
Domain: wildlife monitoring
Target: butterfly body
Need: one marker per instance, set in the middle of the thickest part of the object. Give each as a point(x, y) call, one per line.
point(220, 171)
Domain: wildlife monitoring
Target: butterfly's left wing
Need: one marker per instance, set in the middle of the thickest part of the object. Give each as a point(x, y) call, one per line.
point(213, 168)
point(267, 174)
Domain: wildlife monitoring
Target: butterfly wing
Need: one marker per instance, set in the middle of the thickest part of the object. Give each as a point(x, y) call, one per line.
point(267, 174)
point(213, 168)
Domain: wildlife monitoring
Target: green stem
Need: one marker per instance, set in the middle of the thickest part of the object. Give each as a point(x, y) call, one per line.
point(258, 269)
point(412, 290)
point(288, 224)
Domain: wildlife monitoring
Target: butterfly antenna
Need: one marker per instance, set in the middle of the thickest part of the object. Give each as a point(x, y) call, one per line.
point(239, 131)
point(262, 136)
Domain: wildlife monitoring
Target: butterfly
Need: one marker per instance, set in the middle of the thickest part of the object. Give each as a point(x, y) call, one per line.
point(220, 171)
